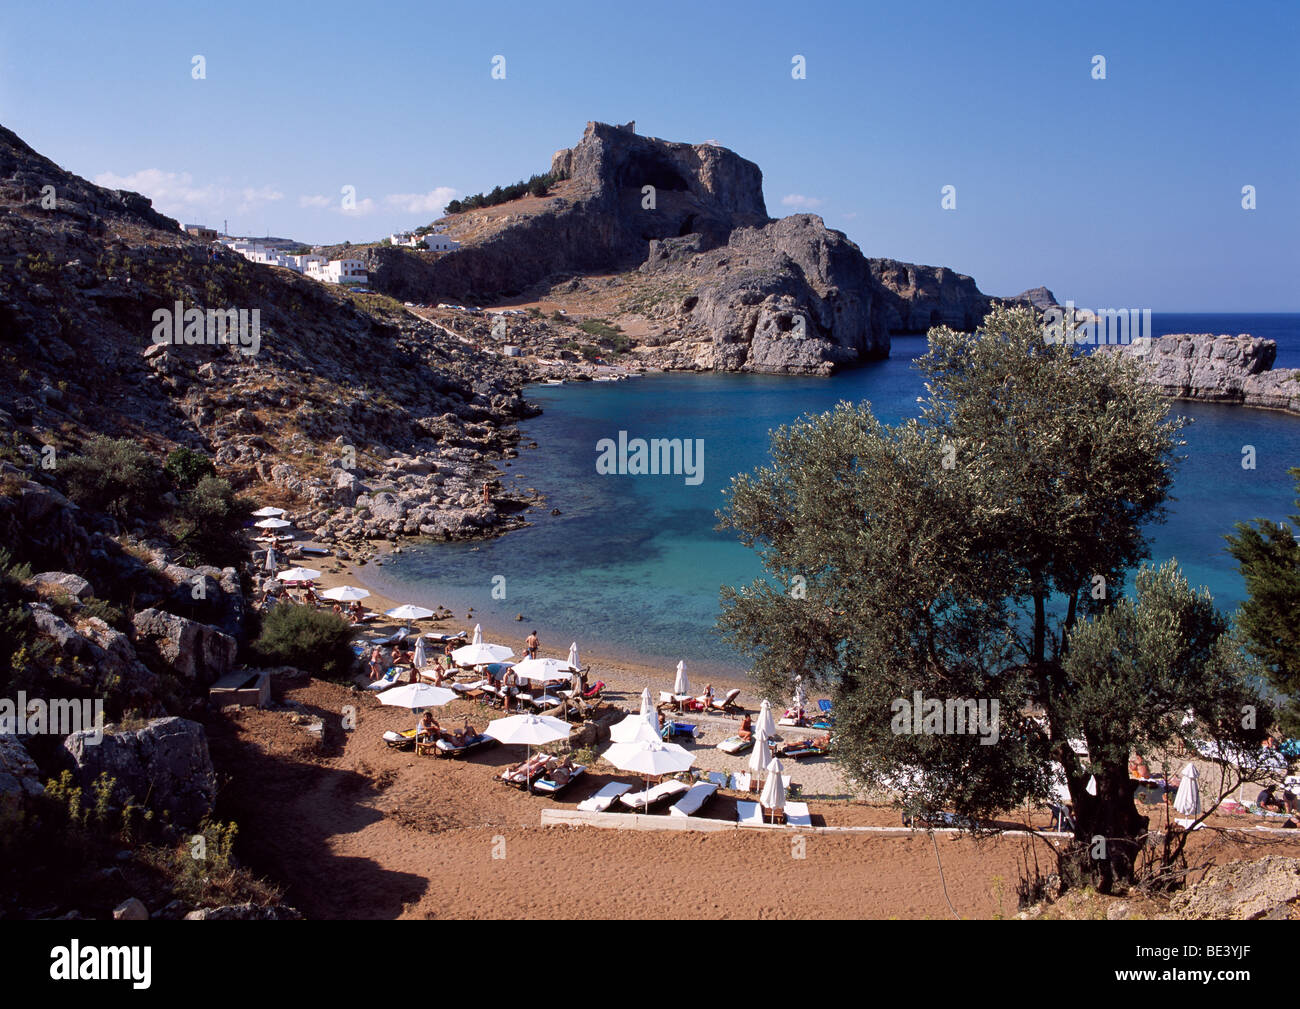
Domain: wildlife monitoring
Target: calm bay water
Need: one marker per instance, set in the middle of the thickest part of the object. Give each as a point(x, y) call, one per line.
point(632, 565)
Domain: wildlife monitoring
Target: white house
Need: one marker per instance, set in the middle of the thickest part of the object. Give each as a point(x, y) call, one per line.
point(339, 271)
point(436, 243)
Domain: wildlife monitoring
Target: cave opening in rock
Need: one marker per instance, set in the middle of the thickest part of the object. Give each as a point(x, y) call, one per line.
point(651, 170)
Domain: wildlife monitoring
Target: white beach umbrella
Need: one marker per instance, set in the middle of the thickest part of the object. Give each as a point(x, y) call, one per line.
point(272, 524)
point(635, 728)
point(421, 658)
point(574, 664)
point(268, 513)
point(799, 697)
point(1188, 799)
point(650, 757)
point(479, 654)
point(541, 670)
point(299, 575)
point(417, 695)
point(647, 708)
point(682, 683)
point(345, 593)
point(409, 612)
point(766, 724)
point(773, 795)
point(762, 755)
point(531, 730)
point(271, 564)
point(477, 639)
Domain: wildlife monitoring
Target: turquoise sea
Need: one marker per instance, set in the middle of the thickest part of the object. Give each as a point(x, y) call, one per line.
point(632, 565)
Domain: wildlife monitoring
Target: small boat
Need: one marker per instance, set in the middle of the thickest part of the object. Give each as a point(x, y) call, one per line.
point(315, 551)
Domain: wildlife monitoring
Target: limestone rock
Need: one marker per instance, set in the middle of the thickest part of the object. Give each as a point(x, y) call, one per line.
point(73, 585)
point(131, 909)
point(164, 765)
point(1242, 890)
point(19, 775)
point(196, 651)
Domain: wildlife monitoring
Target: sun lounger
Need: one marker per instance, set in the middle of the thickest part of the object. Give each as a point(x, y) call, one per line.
point(720, 778)
point(547, 786)
point(672, 730)
point(797, 815)
point(393, 638)
point(749, 812)
point(400, 740)
point(606, 797)
point(446, 749)
point(639, 802)
point(535, 766)
point(442, 638)
point(691, 803)
point(389, 679)
point(592, 692)
point(465, 688)
point(826, 719)
point(799, 751)
point(728, 703)
point(734, 745)
point(741, 781)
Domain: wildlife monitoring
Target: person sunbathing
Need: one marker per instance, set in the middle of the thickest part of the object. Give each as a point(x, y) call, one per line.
point(462, 737)
point(427, 730)
point(528, 769)
point(746, 731)
point(562, 773)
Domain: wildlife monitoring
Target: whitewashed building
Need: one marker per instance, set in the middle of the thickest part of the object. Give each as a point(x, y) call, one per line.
point(437, 243)
point(339, 271)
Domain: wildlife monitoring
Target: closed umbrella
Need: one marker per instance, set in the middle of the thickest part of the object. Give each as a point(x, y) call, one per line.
point(409, 612)
point(345, 593)
point(799, 697)
point(271, 564)
point(299, 575)
point(762, 755)
point(1188, 799)
point(647, 708)
point(773, 797)
point(766, 724)
point(420, 658)
point(574, 664)
point(682, 684)
point(268, 513)
point(531, 730)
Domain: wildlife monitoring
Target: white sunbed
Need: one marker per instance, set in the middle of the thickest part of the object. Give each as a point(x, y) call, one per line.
point(464, 688)
point(749, 812)
point(694, 800)
point(797, 815)
point(639, 801)
point(602, 800)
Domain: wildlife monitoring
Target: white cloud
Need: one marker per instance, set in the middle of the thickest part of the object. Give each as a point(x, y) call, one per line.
point(320, 202)
point(176, 193)
point(363, 207)
point(433, 202)
point(801, 202)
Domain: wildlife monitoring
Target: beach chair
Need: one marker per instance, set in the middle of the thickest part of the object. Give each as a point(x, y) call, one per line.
point(592, 692)
point(547, 786)
point(728, 703)
point(720, 778)
point(826, 719)
point(691, 803)
point(673, 730)
point(749, 812)
point(606, 797)
point(389, 679)
point(741, 782)
point(400, 739)
point(640, 802)
point(535, 767)
point(479, 742)
point(797, 815)
point(392, 639)
point(735, 745)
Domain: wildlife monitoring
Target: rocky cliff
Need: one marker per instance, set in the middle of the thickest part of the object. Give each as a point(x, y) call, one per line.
point(722, 286)
point(1217, 369)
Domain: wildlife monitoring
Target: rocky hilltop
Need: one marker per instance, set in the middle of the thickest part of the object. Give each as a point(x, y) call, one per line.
point(1217, 369)
point(709, 280)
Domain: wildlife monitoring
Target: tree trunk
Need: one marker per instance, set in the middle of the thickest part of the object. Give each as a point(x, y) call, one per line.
point(1108, 826)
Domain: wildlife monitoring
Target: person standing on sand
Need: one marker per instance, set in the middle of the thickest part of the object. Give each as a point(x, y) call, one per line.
point(531, 645)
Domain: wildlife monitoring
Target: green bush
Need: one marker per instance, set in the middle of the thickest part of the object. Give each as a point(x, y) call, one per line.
point(114, 475)
point(186, 467)
point(314, 640)
point(208, 521)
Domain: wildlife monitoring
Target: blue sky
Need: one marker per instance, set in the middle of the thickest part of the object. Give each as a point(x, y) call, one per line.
point(1123, 192)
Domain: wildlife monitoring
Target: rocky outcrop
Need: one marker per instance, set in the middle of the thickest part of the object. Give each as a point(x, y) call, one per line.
point(101, 657)
point(1246, 890)
point(165, 766)
point(193, 650)
point(19, 776)
point(246, 912)
point(913, 299)
point(62, 582)
point(1216, 369)
point(1037, 297)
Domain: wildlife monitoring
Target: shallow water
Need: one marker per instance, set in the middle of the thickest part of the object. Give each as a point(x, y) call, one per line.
point(633, 565)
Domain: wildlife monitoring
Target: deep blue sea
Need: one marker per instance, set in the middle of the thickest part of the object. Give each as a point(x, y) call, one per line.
point(632, 565)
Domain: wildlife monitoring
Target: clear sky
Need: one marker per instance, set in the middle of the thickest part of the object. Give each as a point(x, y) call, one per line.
point(1122, 192)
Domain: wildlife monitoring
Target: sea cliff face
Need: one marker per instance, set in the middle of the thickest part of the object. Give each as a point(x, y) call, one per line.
point(1217, 369)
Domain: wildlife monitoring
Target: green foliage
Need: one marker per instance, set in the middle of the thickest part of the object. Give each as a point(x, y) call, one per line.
point(314, 640)
point(536, 185)
point(114, 475)
point(609, 335)
point(1268, 557)
point(952, 555)
point(186, 467)
point(208, 522)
